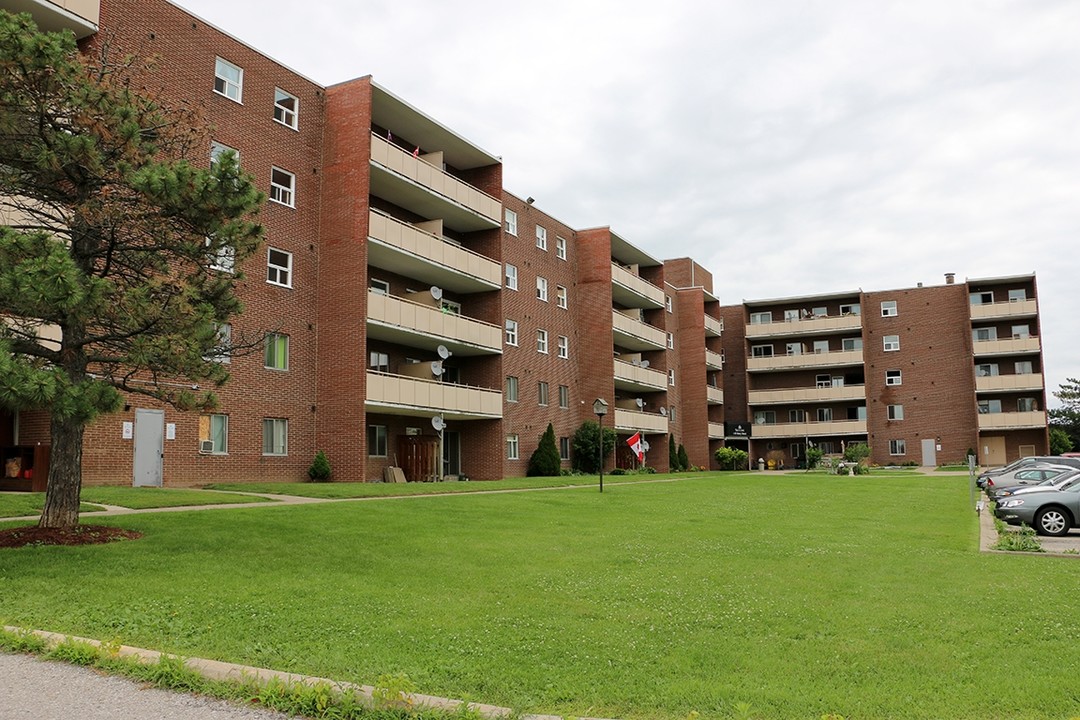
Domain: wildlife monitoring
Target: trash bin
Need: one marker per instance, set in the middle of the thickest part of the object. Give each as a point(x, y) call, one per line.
point(761, 463)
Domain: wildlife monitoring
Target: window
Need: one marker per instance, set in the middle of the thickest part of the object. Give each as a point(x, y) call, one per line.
point(217, 150)
point(1021, 332)
point(564, 347)
point(222, 350)
point(278, 267)
point(1025, 405)
point(794, 348)
point(989, 406)
point(214, 429)
point(853, 309)
point(511, 389)
point(286, 108)
point(541, 393)
point(888, 309)
point(275, 436)
point(856, 413)
point(791, 315)
point(824, 414)
point(761, 318)
point(796, 416)
point(986, 370)
point(820, 312)
point(896, 412)
point(1023, 367)
point(671, 378)
point(667, 302)
point(981, 298)
point(826, 446)
point(282, 183)
point(761, 351)
point(381, 287)
point(764, 417)
point(894, 377)
point(983, 334)
point(560, 247)
point(542, 289)
point(542, 341)
point(377, 441)
point(564, 397)
point(897, 447)
point(851, 344)
point(564, 448)
point(821, 347)
point(1017, 295)
point(796, 450)
point(379, 361)
point(560, 296)
point(892, 343)
point(511, 222)
point(511, 276)
point(228, 80)
point(837, 381)
point(823, 381)
point(511, 332)
point(222, 258)
point(512, 447)
point(670, 341)
point(541, 238)
point(277, 352)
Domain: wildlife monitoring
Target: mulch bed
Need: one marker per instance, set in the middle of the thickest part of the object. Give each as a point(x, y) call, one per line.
point(78, 535)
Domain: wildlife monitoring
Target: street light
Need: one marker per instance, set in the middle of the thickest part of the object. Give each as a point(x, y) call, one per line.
point(600, 408)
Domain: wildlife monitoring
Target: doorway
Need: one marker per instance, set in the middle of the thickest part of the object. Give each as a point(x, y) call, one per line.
point(929, 452)
point(451, 453)
point(149, 447)
point(993, 451)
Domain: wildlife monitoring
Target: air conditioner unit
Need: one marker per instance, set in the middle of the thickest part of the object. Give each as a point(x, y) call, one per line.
point(206, 446)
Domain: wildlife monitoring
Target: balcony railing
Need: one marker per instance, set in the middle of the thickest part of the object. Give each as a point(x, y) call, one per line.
point(401, 395)
point(837, 358)
point(634, 377)
point(1012, 420)
point(713, 327)
point(716, 431)
point(407, 250)
point(78, 16)
point(1004, 310)
point(1008, 383)
point(714, 360)
point(806, 326)
point(1011, 346)
point(809, 429)
point(630, 290)
point(635, 335)
point(404, 322)
point(640, 421)
point(792, 396)
point(714, 395)
point(429, 191)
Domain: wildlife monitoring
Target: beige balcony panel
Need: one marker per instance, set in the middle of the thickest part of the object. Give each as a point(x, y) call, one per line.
point(838, 324)
point(81, 17)
point(804, 395)
point(640, 421)
point(713, 327)
point(714, 360)
point(716, 431)
point(632, 291)
point(1012, 420)
point(1007, 383)
point(629, 374)
point(635, 334)
point(1002, 310)
point(809, 429)
point(714, 395)
point(806, 360)
point(409, 323)
point(396, 394)
point(1008, 346)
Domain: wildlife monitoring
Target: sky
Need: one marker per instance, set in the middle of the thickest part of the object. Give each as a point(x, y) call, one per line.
point(790, 147)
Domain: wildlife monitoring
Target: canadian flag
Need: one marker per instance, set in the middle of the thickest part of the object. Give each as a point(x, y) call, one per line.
point(635, 444)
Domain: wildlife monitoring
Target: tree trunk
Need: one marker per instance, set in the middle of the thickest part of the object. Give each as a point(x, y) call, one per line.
point(65, 475)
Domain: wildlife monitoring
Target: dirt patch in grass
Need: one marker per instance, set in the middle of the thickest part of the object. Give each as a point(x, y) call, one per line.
point(78, 535)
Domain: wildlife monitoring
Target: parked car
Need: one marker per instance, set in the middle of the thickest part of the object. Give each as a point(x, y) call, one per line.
point(1048, 511)
point(1027, 462)
point(1059, 482)
point(1029, 475)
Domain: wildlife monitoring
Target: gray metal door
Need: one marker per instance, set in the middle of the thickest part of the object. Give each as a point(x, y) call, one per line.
point(929, 453)
point(149, 447)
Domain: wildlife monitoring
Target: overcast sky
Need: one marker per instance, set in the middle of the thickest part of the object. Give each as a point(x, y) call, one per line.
point(789, 147)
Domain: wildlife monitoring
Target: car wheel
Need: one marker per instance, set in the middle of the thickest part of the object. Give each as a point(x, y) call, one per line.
point(1052, 521)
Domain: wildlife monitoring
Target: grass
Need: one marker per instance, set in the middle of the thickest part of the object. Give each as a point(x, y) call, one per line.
point(20, 504)
point(14, 504)
point(799, 596)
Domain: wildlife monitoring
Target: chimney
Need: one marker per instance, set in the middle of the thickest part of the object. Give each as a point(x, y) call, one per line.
point(950, 278)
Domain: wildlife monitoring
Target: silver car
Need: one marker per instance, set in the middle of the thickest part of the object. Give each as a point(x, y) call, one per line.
point(1048, 511)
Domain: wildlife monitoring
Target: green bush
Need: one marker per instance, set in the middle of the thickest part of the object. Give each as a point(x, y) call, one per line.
point(673, 457)
point(545, 461)
point(320, 468)
point(586, 445)
point(618, 471)
point(731, 458)
point(684, 459)
point(856, 452)
point(813, 457)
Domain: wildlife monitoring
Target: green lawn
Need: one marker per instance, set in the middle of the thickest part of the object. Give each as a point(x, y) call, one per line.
point(799, 595)
point(20, 504)
point(14, 504)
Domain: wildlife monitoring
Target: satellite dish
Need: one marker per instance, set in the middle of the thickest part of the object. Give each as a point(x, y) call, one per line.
point(639, 402)
point(644, 363)
point(663, 411)
point(636, 362)
point(436, 368)
point(436, 292)
point(645, 446)
point(443, 352)
point(438, 423)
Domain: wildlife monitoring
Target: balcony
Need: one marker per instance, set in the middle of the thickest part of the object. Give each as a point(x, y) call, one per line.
point(714, 395)
point(1012, 420)
point(404, 322)
point(1005, 310)
point(806, 326)
point(837, 358)
point(635, 335)
point(714, 360)
point(77, 16)
point(407, 250)
point(1013, 346)
point(713, 326)
point(428, 191)
point(1009, 383)
point(716, 431)
point(629, 290)
point(794, 396)
point(401, 395)
point(809, 429)
point(634, 378)
point(637, 421)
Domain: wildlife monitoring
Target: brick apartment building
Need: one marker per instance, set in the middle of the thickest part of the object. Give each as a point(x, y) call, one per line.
point(414, 309)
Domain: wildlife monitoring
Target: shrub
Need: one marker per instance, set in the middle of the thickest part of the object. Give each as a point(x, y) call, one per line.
point(684, 459)
point(813, 457)
point(617, 471)
point(545, 461)
point(586, 446)
point(856, 452)
point(673, 457)
point(320, 468)
point(731, 458)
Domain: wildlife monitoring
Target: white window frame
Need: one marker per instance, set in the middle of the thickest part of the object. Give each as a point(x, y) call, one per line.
point(378, 361)
point(851, 344)
point(670, 341)
point(378, 435)
point(987, 370)
point(891, 343)
point(222, 350)
point(512, 332)
point(271, 359)
point(564, 448)
point(894, 377)
point(230, 88)
point(669, 304)
point(560, 247)
point(564, 347)
point(897, 447)
point(797, 415)
point(282, 194)
point(761, 351)
point(541, 289)
point(279, 437)
point(511, 221)
point(1026, 404)
point(217, 149)
point(1023, 367)
point(990, 407)
point(511, 388)
point(1017, 295)
point(542, 341)
point(1021, 332)
point(511, 277)
point(223, 423)
point(761, 318)
point(541, 238)
point(896, 412)
point(513, 447)
point(561, 297)
point(275, 270)
point(380, 287)
point(671, 377)
point(764, 417)
point(283, 114)
point(223, 259)
point(850, 309)
point(889, 309)
point(821, 347)
point(824, 414)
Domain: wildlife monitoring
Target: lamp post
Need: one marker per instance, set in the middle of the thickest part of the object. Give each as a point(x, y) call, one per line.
point(600, 408)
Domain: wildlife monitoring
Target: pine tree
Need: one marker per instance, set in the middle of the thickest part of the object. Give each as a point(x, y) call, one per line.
point(673, 456)
point(113, 241)
point(684, 459)
point(545, 461)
